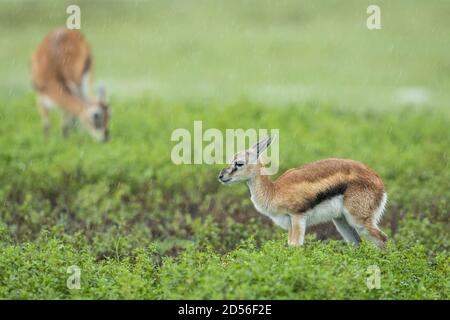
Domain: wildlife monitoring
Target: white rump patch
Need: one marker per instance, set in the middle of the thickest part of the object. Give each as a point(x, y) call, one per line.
point(380, 210)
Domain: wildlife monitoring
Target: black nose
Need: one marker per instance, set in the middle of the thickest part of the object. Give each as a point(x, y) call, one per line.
point(97, 120)
point(220, 176)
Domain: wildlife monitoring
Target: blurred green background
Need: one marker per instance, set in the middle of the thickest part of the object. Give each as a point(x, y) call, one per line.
point(273, 51)
point(140, 227)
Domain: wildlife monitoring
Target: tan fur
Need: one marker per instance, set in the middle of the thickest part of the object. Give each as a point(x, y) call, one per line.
point(58, 66)
point(295, 231)
point(300, 190)
point(295, 190)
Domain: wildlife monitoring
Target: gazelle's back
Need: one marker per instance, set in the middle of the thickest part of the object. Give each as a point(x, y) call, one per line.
point(339, 169)
point(63, 57)
point(309, 185)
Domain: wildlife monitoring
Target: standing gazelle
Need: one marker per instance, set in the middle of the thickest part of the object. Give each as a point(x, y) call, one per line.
point(61, 68)
point(344, 191)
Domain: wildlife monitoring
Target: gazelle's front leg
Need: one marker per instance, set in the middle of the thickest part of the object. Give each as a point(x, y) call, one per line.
point(67, 123)
point(43, 110)
point(296, 234)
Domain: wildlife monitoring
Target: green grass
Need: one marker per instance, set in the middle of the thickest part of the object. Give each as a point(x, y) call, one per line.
point(104, 204)
point(316, 271)
point(140, 227)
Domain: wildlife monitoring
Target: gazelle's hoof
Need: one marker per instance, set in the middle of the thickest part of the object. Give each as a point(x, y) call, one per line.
point(293, 244)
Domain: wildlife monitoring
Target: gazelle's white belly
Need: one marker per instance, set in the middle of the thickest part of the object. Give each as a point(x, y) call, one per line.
point(325, 211)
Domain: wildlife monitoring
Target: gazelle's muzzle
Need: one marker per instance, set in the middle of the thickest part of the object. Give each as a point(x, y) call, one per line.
point(224, 176)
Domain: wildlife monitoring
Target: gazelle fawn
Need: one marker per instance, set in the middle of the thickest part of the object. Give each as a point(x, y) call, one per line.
point(343, 191)
point(61, 70)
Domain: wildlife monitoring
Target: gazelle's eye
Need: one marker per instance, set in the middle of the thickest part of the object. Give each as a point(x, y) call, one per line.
point(239, 164)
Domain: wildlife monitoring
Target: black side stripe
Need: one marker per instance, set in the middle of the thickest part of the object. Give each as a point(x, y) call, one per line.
point(328, 194)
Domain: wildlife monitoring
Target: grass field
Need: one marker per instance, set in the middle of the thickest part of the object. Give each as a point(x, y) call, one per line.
point(138, 226)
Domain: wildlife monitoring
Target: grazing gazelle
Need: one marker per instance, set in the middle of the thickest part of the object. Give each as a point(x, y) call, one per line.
point(343, 191)
point(61, 69)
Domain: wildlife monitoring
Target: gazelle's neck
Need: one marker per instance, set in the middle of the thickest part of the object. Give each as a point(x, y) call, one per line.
point(261, 188)
point(64, 97)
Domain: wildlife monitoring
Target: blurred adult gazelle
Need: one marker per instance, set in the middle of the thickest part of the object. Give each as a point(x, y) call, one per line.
point(343, 191)
point(61, 70)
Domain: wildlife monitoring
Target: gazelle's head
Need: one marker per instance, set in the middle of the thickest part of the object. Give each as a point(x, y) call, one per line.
point(97, 115)
point(245, 164)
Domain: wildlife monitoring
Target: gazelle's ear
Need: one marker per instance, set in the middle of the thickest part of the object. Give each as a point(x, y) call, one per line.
point(101, 92)
point(262, 145)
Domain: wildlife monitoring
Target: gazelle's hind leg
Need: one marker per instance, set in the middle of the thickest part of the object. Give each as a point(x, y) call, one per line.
point(347, 231)
point(375, 234)
point(363, 211)
point(367, 228)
